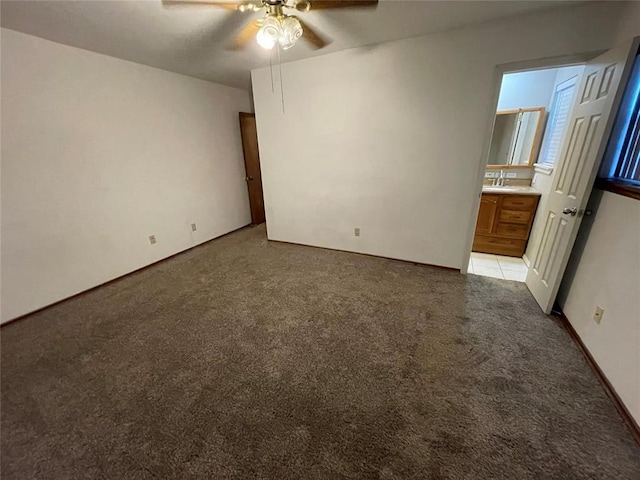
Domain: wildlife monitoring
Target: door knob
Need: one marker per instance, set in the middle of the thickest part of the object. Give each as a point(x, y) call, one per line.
point(248, 178)
point(570, 211)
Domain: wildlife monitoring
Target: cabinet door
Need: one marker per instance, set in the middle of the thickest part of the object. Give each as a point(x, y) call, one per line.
point(487, 213)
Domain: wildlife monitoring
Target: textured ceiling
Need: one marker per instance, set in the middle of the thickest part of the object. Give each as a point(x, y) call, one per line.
point(192, 40)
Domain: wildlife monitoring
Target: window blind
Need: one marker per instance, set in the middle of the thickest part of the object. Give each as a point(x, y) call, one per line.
point(560, 112)
point(628, 166)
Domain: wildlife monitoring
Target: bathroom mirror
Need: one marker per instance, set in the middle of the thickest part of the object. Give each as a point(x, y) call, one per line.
point(516, 138)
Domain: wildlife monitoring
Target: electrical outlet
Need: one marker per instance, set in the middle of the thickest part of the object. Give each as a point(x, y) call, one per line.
point(152, 239)
point(597, 317)
point(193, 227)
point(489, 174)
point(512, 175)
point(356, 232)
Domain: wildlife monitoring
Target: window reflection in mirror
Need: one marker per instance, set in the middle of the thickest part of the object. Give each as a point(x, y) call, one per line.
point(516, 136)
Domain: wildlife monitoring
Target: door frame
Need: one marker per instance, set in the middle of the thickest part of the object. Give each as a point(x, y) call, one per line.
point(498, 72)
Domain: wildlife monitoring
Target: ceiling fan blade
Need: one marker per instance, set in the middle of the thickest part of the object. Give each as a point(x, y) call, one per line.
point(245, 36)
point(312, 37)
point(211, 3)
point(306, 5)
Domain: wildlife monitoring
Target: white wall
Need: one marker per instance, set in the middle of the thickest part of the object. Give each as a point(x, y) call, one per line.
point(527, 89)
point(98, 154)
point(392, 138)
point(629, 21)
point(605, 270)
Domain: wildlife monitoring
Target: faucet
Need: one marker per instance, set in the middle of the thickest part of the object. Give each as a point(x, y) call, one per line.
point(499, 180)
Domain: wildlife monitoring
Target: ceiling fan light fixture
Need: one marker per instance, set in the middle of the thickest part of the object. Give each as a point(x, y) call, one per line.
point(291, 32)
point(269, 33)
point(303, 5)
point(276, 27)
point(264, 41)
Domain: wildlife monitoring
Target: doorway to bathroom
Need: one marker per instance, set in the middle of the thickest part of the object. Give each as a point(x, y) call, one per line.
point(542, 224)
point(530, 125)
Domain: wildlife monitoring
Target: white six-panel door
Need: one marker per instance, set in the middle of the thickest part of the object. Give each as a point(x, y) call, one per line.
point(582, 150)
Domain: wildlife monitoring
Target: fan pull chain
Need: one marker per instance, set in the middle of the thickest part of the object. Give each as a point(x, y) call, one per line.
point(271, 70)
point(281, 88)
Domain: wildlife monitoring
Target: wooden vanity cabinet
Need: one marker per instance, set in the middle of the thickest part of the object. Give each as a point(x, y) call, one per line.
point(487, 214)
point(504, 223)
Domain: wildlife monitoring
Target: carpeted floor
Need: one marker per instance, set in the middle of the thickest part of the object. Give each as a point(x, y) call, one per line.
point(247, 359)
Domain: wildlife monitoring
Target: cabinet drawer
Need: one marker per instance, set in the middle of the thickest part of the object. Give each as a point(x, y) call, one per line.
point(514, 230)
point(517, 202)
point(499, 245)
point(515, 216)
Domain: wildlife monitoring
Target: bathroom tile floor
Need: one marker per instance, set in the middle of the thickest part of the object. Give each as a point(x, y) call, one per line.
point(497, 266)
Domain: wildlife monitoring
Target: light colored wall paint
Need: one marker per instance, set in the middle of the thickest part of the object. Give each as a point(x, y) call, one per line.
point(527, 89)
point(629, 21)
point(98, 154)
point(391, 138)
point(604, 270)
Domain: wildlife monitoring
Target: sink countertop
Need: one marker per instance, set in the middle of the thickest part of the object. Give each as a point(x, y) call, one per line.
point(510, 190)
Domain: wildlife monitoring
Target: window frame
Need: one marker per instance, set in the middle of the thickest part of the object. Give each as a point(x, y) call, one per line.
point(626, 126)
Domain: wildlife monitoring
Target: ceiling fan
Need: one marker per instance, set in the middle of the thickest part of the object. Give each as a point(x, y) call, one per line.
point(277, 27)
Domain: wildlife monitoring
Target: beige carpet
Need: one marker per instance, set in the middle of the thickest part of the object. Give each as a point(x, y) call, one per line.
point(247, 359)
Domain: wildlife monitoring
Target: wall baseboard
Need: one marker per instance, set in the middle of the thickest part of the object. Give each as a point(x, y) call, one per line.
point(9, 322)
point(628, 419)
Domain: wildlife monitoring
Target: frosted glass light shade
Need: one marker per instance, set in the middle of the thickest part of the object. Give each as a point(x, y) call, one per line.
point(291, 32)
point(269, 33)
point(264, 41)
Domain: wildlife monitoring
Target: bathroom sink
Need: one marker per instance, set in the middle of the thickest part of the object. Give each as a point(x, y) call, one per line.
point(510, 189)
